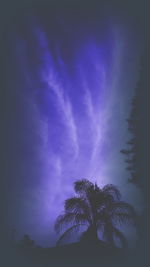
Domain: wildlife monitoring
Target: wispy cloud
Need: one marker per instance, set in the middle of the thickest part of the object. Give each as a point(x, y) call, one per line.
point(85, 119)
point(53, 79)
point(95, 122)
point(65, 107)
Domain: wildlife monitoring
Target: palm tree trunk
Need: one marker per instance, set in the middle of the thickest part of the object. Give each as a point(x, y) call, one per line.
point(90, 236)
point(94, 235)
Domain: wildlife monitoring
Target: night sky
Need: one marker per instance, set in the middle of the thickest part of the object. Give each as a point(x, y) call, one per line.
point(72, 75)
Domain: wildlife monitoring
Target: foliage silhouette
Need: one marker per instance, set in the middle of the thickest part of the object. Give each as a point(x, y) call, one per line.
point(137, 120)
point(26, 242)
point(137, 151)
point(133, 149)
point(99, 209)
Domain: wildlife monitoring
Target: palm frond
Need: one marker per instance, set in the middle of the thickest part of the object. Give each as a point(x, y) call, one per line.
point(123, 218)
point(100, 226)
point(68, 232)
point(81, 218)
point(63, 220)
point(82, 186)
point(121, 237)
point(70, 218)
point(108, 232)
point(78, 205)
point(121, 206)
point(112, 190)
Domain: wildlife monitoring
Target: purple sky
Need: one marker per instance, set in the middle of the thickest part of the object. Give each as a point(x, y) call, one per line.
point(73, 84)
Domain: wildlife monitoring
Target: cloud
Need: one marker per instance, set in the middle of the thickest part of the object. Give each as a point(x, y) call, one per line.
point(76, 124)
point(65, 107)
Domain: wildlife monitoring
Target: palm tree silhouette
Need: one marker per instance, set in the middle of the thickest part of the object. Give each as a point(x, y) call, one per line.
point(100, 210)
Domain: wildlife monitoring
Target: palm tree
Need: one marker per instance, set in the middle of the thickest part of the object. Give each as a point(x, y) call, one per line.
point(100, 210)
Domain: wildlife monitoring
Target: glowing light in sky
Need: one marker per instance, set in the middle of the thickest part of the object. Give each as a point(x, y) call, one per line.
point(78, 99)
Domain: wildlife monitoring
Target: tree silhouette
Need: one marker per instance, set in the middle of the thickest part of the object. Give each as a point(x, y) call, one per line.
point(26, 242)
point(137, 151)
point(100, 210)
point(133, 149)
point(137, 145)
